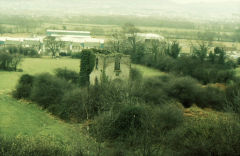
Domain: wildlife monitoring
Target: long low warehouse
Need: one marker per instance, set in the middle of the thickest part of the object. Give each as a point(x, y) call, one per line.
point(74, 41)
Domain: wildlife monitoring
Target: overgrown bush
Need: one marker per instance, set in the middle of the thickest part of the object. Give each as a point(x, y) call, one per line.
point(24, 86)
point(27, 147)
point(76, 55)
point(206, 137)
point(75, 106)
point(232, 102)
point(165, 63)
point(238, 60)
point(152, 91)
point(25, 51)
point(9, 61)
point(63, 54)
point(201, 69)
point(87, 102)
point(183, 89)
point(167, 117)
point(129, 120)
point(135, 75)
point(113, 125)
point(68, 75)
point(140, 126)
point(210, 97)
point(48, 90)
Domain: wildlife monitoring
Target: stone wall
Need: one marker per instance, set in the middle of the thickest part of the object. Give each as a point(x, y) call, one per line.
point(106, 64)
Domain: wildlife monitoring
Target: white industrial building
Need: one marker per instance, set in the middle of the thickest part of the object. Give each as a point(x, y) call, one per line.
point(74, 41)
point(150, 36)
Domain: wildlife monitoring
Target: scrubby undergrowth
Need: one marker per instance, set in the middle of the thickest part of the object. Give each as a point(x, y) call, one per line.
point(144, 117)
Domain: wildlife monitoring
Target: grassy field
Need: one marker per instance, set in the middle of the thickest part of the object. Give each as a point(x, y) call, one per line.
point(238, 71)
point(40, 65)
point(36, 66)
point(22, 118)
point(147, 72)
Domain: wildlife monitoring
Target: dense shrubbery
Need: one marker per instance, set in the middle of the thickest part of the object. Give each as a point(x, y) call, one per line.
point(201, 63)
point(206, 67)
point(112, 125)
point(206, 137)
point(73, 103)
point(24, 86)
point(9, 61)
point(139, 126)
point(186, 65)
point(68, 75)
point(65, 54)
point(22, 146)
point(232, 102)
point(135, 75)
point(70, 102)
point(76, 55)
point(48, 90)
point(25, 51)
point(141, 113)
point(184, 89)
point(129, 120)
point(151, 90)
point(211, 97)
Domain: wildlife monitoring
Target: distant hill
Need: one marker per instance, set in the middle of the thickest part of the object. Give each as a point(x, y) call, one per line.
point(172, 8)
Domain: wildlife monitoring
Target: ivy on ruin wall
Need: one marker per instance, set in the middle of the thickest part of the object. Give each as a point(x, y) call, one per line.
point(87, 66)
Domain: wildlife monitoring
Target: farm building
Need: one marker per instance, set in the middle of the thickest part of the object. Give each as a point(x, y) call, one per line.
point(64, 33)
point(24, 42)
point(113, 66)
point(75, 41)
point(150, 36)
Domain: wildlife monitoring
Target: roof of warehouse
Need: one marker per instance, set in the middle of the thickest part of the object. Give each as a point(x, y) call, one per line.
point(65, 38)
point(19, 39)
point(87, 32)
point(82, 40)
point(150, 36)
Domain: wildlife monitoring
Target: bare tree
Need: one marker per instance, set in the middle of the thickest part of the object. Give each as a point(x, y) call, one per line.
point(117, 41)
point(131, 31)
point(53, 45)
point(17, 58)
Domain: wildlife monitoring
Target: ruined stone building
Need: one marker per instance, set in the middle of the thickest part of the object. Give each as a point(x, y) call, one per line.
point(113, 66)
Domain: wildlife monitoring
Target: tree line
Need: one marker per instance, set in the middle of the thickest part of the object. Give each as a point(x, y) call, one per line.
point(201, 63)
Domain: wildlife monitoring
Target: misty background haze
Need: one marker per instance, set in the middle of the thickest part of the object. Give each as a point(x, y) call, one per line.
point(189, 9)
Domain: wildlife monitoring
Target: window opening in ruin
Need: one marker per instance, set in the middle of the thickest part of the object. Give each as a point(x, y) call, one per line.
point(117, 64)
point(97, 63)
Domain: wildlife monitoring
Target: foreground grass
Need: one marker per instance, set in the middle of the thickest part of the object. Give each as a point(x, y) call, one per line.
point(24, 119)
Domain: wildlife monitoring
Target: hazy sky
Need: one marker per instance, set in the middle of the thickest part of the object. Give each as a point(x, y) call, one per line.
point(184, 8)
point(205, 1)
